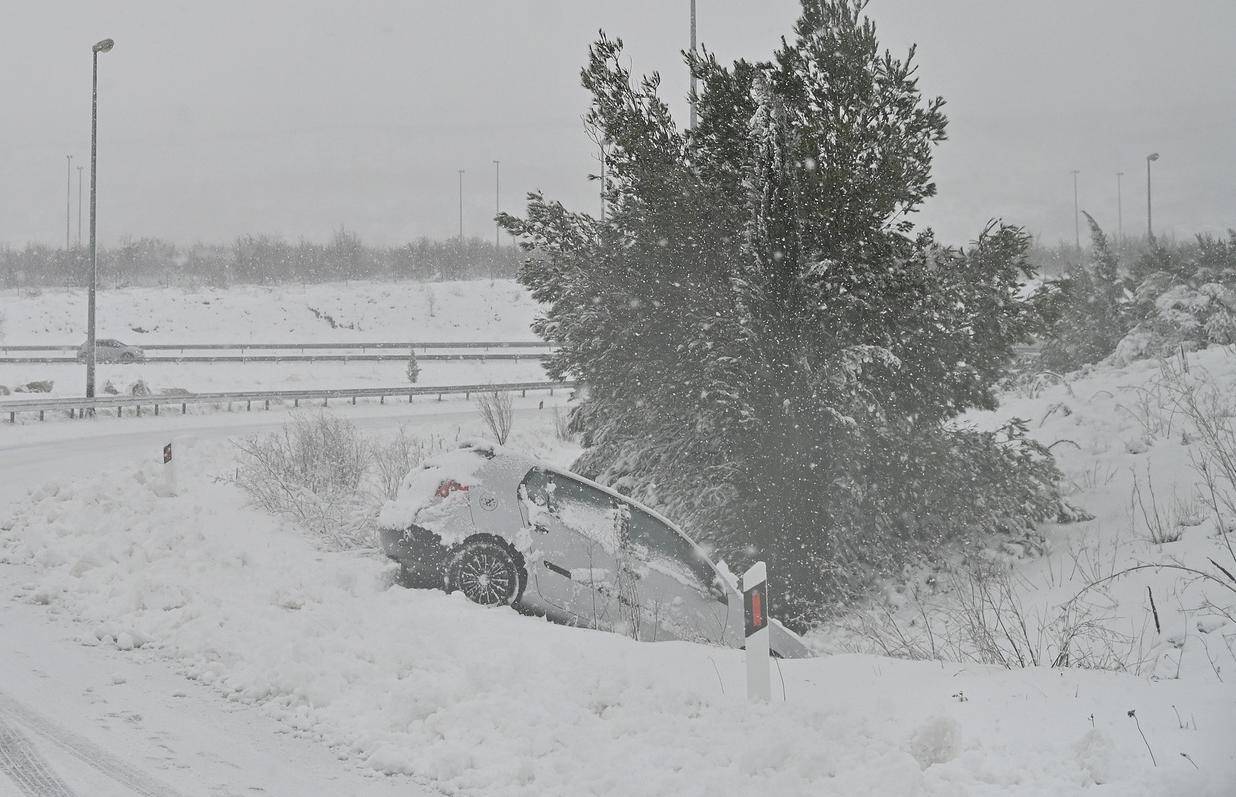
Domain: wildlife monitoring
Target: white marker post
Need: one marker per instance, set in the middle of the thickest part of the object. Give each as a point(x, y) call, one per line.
point(755, 605)
point(169, 469)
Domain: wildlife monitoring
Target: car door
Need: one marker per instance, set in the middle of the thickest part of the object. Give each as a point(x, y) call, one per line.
point(572, 566)
point(682, 596)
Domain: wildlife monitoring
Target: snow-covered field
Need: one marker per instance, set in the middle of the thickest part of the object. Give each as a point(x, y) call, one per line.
point(128, 609)
point(320, 313)
point(449, 697)
point(477, 310)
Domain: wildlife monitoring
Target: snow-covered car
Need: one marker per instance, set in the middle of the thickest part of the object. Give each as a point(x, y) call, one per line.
point(110, 350)
point(505, 529)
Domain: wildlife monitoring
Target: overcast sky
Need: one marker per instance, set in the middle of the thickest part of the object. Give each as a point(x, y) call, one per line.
point(297, 117)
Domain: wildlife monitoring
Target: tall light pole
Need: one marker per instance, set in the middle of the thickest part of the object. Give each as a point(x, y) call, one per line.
point(1119, 209)
point(68, 197)
point(101, 47)
point(497, 204)
point(1076, 214)
point(80, 169)
point(601, 146)
point(692, 71)
point(1154, 156)
point(461, 174)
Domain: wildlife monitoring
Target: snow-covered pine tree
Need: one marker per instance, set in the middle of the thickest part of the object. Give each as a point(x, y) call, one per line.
point(771, 355)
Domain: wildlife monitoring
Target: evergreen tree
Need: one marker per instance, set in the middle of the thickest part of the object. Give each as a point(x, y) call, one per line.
point(771, 355)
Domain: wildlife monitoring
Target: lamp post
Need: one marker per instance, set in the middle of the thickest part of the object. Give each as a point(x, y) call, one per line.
point(693, 71)
point(1119, 209)
point(1076, 214)
point(100, 47)
point(461, 174)
point(1154, 156)
point(497, 204)
point(68, 197)
point(80, 169)
point(601, 146)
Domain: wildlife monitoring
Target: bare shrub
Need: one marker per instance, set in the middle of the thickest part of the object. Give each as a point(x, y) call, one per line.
point(327, 477)
point(395, 458)
point(1210, 412)
point(1160, 526)
point(498, 413)
point(562, 424)
point(979, 617)
point(312, 471)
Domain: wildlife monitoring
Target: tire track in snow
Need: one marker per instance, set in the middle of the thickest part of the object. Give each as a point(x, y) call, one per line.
point(25, 768)
point(81, 748)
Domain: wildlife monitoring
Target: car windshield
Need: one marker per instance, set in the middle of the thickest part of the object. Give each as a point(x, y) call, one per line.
point(672, 554)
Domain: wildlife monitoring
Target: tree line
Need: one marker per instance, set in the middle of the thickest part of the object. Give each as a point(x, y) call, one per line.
point(256, 259)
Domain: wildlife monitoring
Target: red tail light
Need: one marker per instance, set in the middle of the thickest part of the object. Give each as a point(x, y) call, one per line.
point(449, 486)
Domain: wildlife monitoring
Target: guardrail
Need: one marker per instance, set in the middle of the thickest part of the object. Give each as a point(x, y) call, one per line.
point(78, 407)
point(285, 358)
point(467, 344)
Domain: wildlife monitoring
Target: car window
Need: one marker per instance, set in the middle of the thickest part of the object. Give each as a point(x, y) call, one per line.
point(534, 488)
point(670, 553)
point(581, 508)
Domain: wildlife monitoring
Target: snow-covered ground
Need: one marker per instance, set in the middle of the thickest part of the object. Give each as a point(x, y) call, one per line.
point(442, 695)
point(476, 310)
point(70, 379)
point(1130, 456)
point(321, 313)
point(191, 644)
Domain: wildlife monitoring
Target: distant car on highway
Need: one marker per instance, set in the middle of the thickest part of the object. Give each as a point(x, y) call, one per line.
point(507, 530)
point(110, 350)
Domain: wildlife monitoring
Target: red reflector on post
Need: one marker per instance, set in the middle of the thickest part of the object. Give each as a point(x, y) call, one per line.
point(757, 610)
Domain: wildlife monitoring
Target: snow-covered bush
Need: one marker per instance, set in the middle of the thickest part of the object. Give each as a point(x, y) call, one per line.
point(327, 477)
point(312, 471)
point(414, 368)
point(394, 458)
point(1086, 311)
point(1184, 314)
point(498, 414)
point(1172, 295)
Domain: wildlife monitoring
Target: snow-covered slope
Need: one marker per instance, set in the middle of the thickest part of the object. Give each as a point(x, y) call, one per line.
point(1128, 443)
point(486, 702)
point(327, 312)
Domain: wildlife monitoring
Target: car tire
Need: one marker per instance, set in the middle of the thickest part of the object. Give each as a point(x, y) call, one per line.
point(487, 572)
point(127, 357)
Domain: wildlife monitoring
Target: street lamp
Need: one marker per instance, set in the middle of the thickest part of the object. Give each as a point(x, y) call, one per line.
point(603, 146)
point(100, 47)
point(461, 174)
point(497, 204)
point(692, 71)
point(1119, 209)
point(80, 169)
point(1076, 214)
point(68, 197)
point(1154, 156)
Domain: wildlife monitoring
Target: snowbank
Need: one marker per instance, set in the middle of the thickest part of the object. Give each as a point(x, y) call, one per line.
point(486, 702)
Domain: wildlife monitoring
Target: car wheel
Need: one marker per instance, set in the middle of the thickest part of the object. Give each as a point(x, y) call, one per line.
point(127, 357)
point(486, 572)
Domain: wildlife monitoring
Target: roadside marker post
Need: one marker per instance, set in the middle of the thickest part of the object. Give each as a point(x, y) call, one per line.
point(755, 606)
point(169, 469)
